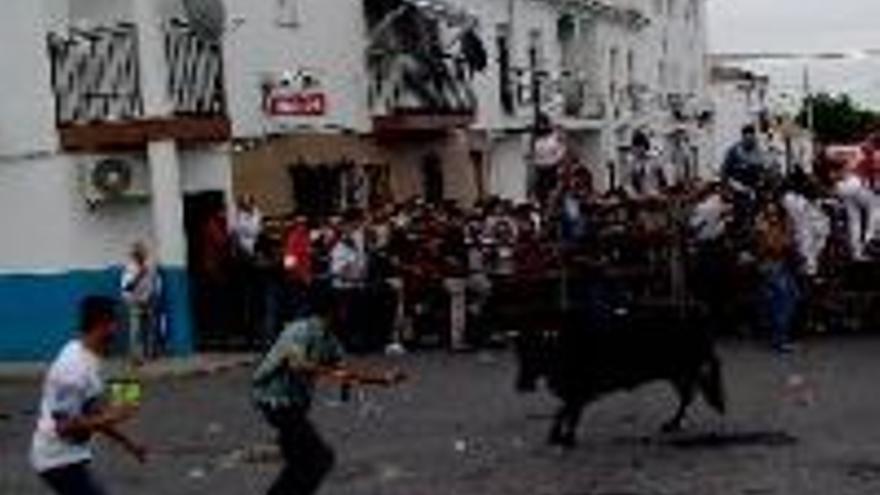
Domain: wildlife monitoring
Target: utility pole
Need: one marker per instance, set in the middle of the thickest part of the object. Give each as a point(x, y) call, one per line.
point(536, 118)
point(810, 110)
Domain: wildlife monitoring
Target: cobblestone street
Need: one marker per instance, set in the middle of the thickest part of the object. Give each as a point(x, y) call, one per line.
point(458, 428)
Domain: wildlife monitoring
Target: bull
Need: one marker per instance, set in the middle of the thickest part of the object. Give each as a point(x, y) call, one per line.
point(581, 363)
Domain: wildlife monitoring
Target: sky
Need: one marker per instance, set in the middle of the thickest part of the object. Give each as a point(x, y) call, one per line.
point(804, 26)
point(794, 25)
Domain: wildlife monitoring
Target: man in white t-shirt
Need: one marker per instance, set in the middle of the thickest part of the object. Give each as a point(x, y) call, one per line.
point(862, 209)
point(248, 224)
point(72, 408)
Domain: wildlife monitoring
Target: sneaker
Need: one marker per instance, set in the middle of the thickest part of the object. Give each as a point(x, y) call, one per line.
point(786, 348)
point(395, 349)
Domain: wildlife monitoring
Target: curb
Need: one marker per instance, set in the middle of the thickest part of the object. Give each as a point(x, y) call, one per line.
point(195, 367)
point(200, 371)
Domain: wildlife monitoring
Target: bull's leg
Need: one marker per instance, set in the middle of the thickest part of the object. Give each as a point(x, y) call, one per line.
point(685, 389)
point(572, 420)
point(557, 432)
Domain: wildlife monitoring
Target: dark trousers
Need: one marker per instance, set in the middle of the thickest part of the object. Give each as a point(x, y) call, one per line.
point(779, 294)
point(351, 319)
point(75, 479)
point(307, 458)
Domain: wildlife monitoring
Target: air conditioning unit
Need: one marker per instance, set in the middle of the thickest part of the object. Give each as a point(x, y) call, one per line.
point(115, 178)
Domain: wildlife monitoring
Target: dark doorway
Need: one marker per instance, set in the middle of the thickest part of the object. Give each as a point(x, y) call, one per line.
point(479, 164)
point(432, 178)
point(207, 284)
point(317, 189)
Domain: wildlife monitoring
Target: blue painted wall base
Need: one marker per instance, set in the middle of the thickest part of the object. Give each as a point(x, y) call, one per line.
point(38, 312)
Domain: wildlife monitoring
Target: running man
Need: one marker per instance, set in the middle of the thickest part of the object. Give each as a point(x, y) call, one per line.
point(72, 409)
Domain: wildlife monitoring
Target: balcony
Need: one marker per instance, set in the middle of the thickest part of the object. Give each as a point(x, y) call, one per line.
point(408, 94)
point(98, 100)
point(639, 98)
point(420, 64)
point(582, 104)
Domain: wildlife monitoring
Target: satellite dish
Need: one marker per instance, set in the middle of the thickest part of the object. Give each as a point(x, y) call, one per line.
point(207, 18)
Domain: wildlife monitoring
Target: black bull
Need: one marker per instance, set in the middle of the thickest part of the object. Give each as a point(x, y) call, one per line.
point(581, 364)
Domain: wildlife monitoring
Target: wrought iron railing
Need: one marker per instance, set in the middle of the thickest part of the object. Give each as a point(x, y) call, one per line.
point(400, 83)
point(96, 74)
point(195, 72)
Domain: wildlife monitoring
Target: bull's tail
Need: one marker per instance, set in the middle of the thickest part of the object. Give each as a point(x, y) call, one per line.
point(711, 383)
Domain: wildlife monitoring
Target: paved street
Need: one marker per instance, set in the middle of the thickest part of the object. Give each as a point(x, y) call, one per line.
point(458, 428)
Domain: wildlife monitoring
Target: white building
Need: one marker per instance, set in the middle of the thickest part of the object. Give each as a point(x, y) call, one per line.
point(380, 99)
point(605, 69)
point(99, 92)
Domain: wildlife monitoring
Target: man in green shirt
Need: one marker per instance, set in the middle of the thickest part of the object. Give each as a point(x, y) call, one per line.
point(283, 386)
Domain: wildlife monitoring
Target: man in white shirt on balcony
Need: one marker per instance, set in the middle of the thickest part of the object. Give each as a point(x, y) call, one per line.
point(647, 177)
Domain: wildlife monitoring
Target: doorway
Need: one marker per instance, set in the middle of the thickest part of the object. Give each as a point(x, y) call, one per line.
point(432, 178)
point(206, 287)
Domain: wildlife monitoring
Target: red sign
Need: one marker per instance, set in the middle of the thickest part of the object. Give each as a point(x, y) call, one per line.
point(297, 105)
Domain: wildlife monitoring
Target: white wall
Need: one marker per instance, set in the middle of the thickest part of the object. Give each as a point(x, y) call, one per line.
point(508, 176)
point(49, 226)
point(206, 169)
point(330, 38)
point(27, 118)
point(100, 12)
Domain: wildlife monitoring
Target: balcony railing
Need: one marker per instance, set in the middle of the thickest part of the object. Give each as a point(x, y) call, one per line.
point(408, 94)
point(96, 74)
point(195, 72)
point(401, 84)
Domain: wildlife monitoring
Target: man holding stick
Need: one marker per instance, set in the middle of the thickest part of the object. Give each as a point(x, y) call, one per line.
point(283, 386)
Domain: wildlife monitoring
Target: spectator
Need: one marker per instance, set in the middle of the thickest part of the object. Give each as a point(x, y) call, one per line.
point(779, 292)
point(248, 225)
point(863, 210)
point(745, 163)
point(647, 176)
point(298, 255)
point(141, 286)
point(348, 270)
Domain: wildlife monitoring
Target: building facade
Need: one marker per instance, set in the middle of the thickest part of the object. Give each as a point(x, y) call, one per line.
point(309, 105)
point(109, 135)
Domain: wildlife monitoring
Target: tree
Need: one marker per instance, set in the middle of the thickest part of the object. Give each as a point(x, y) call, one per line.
point(837, 119)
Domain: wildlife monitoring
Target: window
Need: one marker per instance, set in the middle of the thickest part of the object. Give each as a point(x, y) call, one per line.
point(613, 63)
point(287, 13)
point(631, 66)
point(506, 91)
point(432, 178)
point(661, 75)
point(536, 46)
